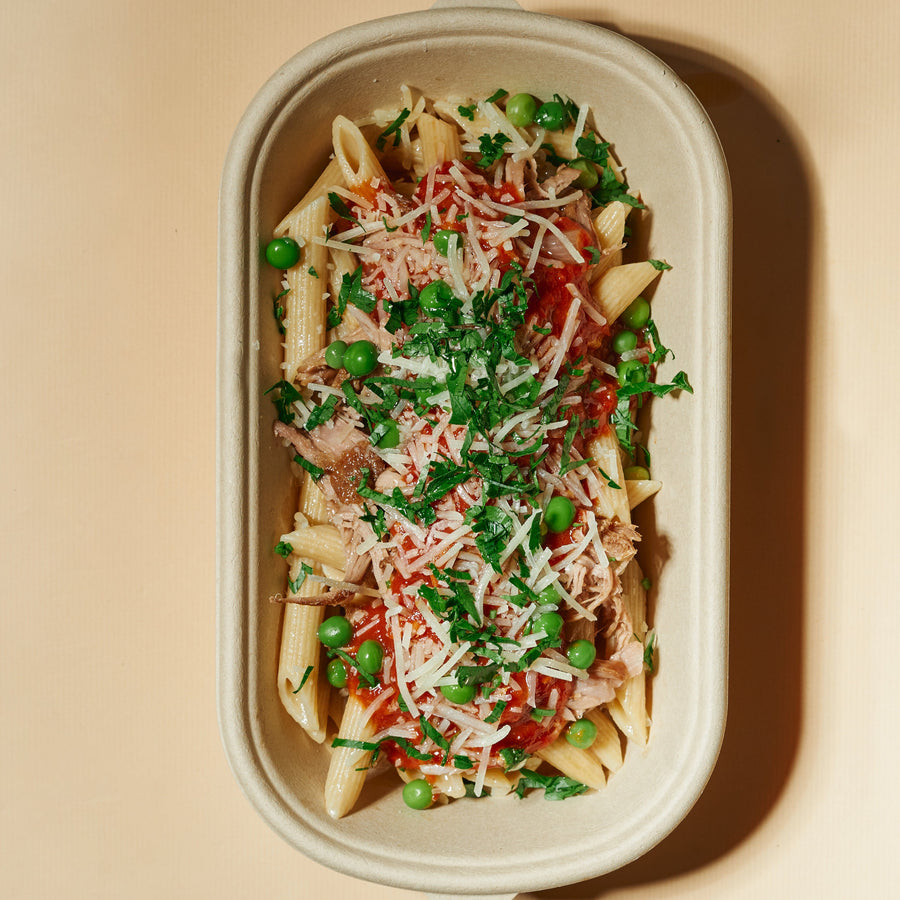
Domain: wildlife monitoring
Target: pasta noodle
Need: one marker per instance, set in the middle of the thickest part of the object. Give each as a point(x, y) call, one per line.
point(465, 355)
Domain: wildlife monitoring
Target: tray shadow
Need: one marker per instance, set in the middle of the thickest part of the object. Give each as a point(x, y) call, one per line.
point(774, 197)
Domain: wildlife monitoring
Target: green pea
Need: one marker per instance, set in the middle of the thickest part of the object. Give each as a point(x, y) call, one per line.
point(588, 177)
point(631, 370)
point(550, 623)
point(335, 631)
point(458, 693)
point(581, 653)
point(520, 110)
point(636, 473)
point(370, 656)
point(551, 115)
point(559, 514)
point(442, 240)
point(390, 438)
point(283, 253)
point(334, 354)
point(581, 734)
point(361, 358)
point(336, 672)
point(549, 595)
point(624, 341)
point(435, 296)
point(418, 794)
point(637, 314)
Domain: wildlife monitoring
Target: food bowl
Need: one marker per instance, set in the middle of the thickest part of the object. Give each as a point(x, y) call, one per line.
point(494, 846)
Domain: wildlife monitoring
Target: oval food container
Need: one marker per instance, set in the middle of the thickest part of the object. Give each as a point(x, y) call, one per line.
point(671, 153)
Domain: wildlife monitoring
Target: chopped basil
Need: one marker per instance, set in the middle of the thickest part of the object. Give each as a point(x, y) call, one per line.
point(284, 549)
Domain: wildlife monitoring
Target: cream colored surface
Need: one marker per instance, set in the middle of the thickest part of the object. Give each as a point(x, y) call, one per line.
point(115, 124)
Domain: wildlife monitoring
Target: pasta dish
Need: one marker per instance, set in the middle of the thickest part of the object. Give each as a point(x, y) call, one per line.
point(465, 356)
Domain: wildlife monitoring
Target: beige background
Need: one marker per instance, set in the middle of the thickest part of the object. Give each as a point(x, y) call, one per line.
point(115, 121)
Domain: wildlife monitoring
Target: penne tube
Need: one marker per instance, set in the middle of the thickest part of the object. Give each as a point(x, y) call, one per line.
point(327, 181)
point(614, 291)
point(499, 782)
point(321, 544)
point(440, 141)
point(635, 598)
point(357, 161)
point(607, 746)
point(479, 123)
point(299, 662)
point(609, 227)
point(612, 501)
point(609, 224)
point(347, 770)
point(575, 763)
point(640, 490)
point(304, 304)
point(629, 710)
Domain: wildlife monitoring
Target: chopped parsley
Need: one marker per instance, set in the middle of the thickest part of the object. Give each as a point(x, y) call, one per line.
point(491, 147)
point(555, 787)
point(341, 208)
point(392, 129)
point(303, 680)
point(296, 583)
point(284, 400)
point(353, 292)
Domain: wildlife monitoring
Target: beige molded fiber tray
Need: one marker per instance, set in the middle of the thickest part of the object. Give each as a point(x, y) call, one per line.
point(659, 131)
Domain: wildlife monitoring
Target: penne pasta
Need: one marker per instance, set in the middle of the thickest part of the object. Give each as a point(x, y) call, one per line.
point(614, 291)
point(299, 662)
point(574, 763)
point(630, 712)
point(330, 178)
point(639, 490)
point(613, 496)
point(304, 303)
point(607, 746)
point(439, 141)
point(355, 158)
point(349, 764)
